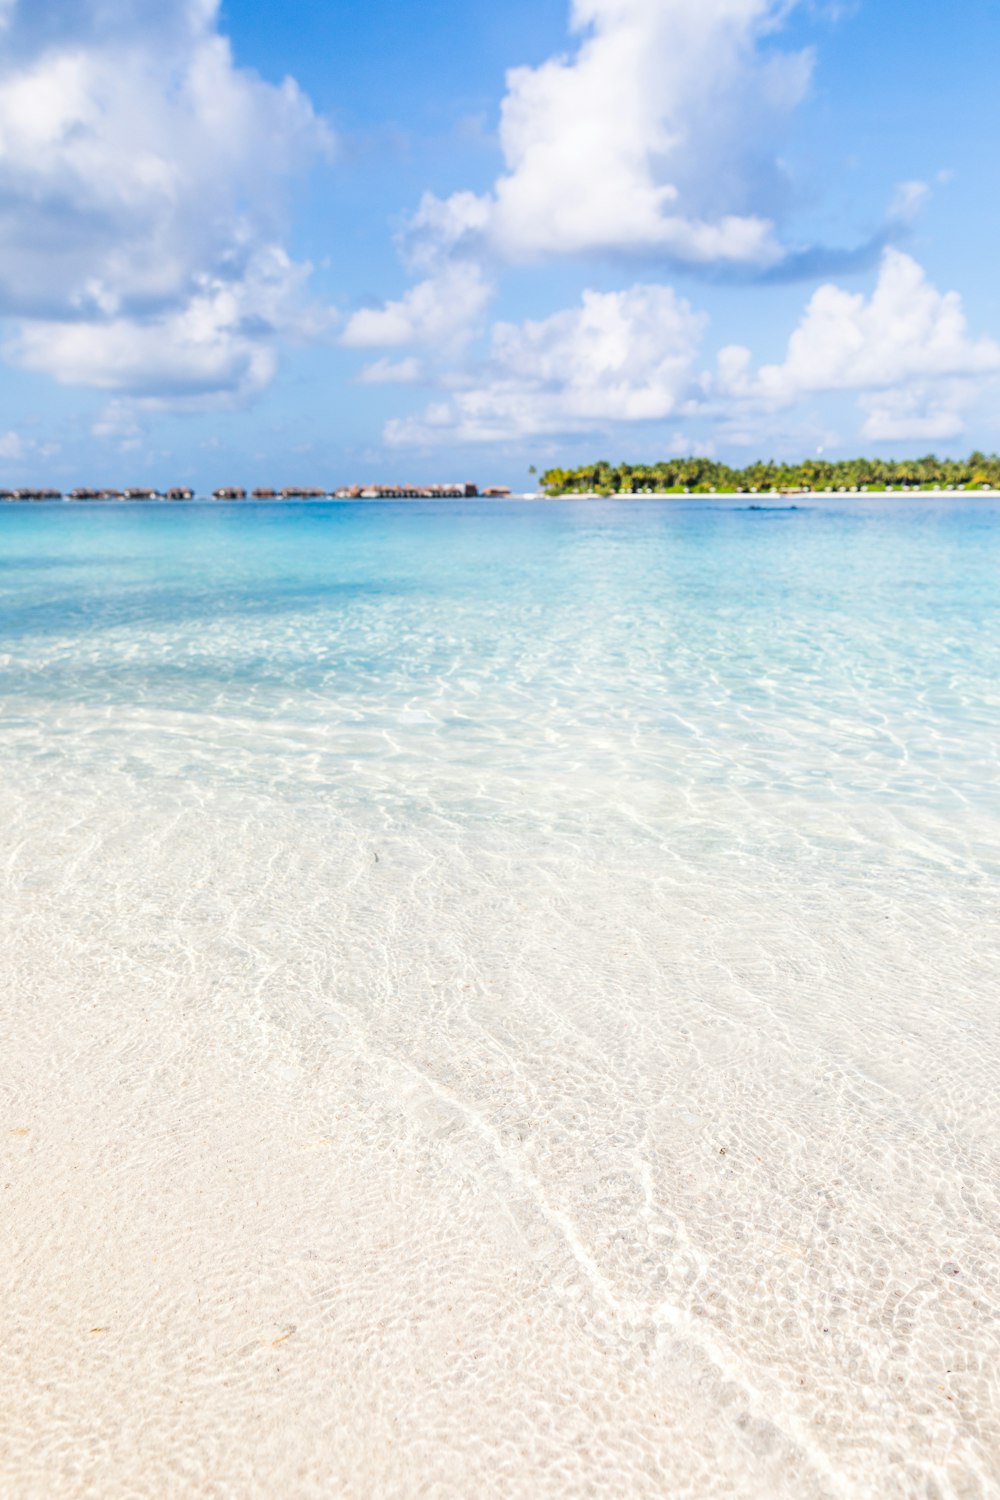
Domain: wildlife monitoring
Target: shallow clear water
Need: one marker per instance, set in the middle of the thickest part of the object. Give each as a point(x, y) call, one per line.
point(631, 870)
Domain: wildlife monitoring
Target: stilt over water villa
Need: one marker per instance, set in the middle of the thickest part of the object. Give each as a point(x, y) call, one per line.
point(465, 491)
point(30, 494)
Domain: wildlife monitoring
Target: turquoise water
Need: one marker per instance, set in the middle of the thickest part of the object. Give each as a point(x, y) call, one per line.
point(827, 651)
point(648, 853)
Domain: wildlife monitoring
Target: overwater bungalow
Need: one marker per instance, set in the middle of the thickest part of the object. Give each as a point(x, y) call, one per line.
point(178, 494)
point(231, 493)
point(264, 494)
point(496, 492)
point(409, 492)
point(465, 491)
point(293, 493)
point(139, 494)
point(37, 495)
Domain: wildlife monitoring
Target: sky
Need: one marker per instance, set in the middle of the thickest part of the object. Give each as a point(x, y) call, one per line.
point(325, 244)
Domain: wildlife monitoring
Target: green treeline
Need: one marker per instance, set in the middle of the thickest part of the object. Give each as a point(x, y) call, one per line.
point(705, 476)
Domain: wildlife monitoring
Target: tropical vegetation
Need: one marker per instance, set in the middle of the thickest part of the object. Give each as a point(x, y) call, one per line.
point(706, 476)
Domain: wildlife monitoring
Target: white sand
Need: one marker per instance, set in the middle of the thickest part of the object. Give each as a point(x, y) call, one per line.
point(445, 1175)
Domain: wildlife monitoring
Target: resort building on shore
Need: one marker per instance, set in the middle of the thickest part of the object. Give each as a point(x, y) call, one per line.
point(465, 491)
point(30, 494)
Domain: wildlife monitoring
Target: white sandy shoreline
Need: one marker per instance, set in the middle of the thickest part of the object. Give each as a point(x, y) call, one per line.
point(764, 497)
point(310, 1191)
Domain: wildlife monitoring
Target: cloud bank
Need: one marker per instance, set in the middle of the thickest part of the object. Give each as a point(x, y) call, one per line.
point(657, 137)
point(907, 347)
point(142, 186)
point(634, 357)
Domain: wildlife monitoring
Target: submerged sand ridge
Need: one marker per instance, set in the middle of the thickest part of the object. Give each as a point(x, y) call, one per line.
point(348, 1153)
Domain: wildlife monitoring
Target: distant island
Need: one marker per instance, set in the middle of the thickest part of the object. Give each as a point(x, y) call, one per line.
point(671, 476)
point(704, 476)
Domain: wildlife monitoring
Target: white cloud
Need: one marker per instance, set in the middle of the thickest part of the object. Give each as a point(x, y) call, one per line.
point(632, 356)
point(19, 450)
point(907, 201)
point(657, 134)
point(619, 357)
point(917, 413)
point(219, 342)
point(392, 371)
point(142, 179)
point(440, 313)
point(119, 422)
point(906, 332)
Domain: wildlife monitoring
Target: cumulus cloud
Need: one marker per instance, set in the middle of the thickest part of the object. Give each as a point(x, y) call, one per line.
point(906, 336)
point(619, 357)
point(656, 135)
point(220, 340)
point(440, 313)
point(918, 413)
point(632, 356)
point(142, 185)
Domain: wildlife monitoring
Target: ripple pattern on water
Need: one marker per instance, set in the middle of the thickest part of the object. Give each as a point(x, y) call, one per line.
point(501, 1001)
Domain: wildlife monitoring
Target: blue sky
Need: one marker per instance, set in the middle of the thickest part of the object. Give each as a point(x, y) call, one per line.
point(325, 243)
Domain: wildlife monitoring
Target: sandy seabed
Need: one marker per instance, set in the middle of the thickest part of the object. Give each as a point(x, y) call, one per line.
point(346, 1158)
